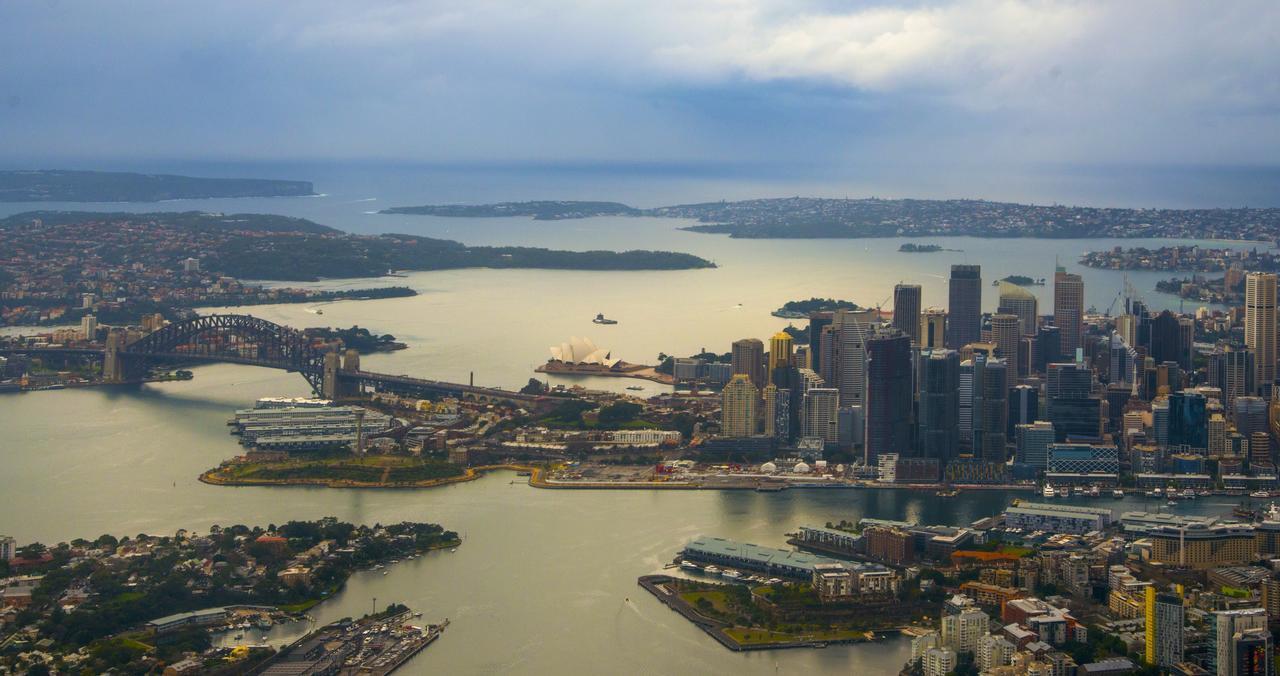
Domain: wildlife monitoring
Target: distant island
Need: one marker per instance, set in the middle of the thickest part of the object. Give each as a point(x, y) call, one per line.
point(1022, 280)
point(815, 217)
point(547, 210)
point(356, 338)
point(800, 309)
point(923, 248)
point(46, 185)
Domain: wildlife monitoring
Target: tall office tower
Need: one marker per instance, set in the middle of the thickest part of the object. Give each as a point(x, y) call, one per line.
point(938, 427)
point(1260, 327)
point(1142, 324)
point(1165, 618)
point(1232, 369)
point(1016, 300)
point(933, 328)
point(1067, 381)
point(1217, 434)
point(1188, 422)
point(817, 322)
point(964, 306)
point(770, 414)
point(889, 394)
point(1249, 415)
point(1024, 407)
point(1229, 633)
point(1068, 310)
point(88, 327)
point(1260, 450)
point(969, 411)
point(738, 407)
point(995, 411)
point(1049, 341)
point(1186, 343)
point(780, 359)
point(748, 360)
point(821, 414)
point(1166, 339)
point(1033, 443)
point(1124, 360)
point(849, 367)
point(1007, 336)
point(906, 310)
point(1125, 325)
point(828, 348)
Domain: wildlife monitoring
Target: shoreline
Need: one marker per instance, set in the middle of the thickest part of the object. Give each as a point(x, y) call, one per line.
point(638, 371)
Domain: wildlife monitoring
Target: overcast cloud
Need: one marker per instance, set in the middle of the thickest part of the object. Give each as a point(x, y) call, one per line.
point(751, 81)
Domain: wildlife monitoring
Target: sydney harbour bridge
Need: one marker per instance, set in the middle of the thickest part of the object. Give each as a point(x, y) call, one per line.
point(244, 339)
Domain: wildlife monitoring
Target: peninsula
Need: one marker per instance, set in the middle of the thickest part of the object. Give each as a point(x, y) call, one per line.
point(46, 185)
point(168, 262)
point(816, 217)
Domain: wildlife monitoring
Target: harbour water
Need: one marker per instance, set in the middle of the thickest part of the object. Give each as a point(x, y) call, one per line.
point(545, 581)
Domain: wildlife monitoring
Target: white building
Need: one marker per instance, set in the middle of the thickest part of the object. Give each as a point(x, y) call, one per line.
point(8, 548)
point(939, 662)
point(88, 327)
point(922, 644)
point(962, 631)
point(992, 652)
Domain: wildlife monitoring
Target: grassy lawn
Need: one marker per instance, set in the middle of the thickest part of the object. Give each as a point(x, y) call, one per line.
point(300, 607)
point(757, 636)
point(370, 469)
point(716, 598)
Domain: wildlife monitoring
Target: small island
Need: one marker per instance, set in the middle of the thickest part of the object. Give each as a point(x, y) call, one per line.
point(356, 338)
point(923, 248)
point(114, 186)
point(543, 210)
point(801, 309)
point(1021, 280)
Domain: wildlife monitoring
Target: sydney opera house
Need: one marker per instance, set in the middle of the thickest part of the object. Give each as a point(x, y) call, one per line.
point(582, 351)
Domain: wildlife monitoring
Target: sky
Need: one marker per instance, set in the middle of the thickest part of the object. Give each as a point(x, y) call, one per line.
point(746, 83)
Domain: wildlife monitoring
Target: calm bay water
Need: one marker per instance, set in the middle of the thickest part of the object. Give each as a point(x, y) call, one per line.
point(545, 582)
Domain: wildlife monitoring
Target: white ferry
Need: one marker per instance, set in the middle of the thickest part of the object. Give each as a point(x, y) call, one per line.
point(1048, 491)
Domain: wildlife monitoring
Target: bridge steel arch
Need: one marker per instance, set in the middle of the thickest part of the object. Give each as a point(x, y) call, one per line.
point(239, 339)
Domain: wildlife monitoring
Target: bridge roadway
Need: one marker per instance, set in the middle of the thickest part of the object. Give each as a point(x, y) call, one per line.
point(380, 381)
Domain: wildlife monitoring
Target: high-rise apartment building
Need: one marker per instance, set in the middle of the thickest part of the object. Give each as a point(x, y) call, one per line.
point(964, 306)
point(821, 414)
point(738, 407)
point(748, 359)
point(906, 310)
point(1165, 620)
point(1260, 327)
point(1232, 370)
point(1068, 310)
point(817, 322)
point(1236, 652)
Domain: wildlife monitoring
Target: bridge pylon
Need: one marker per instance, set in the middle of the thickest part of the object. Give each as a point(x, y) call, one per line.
point(113, 367)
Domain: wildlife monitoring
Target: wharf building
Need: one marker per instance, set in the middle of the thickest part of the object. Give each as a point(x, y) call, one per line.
point(306, 428)
point(1057, 518)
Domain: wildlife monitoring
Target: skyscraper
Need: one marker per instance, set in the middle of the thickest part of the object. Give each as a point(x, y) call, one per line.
point(770, 415)
point(889, 394)
point(939, 409)
point(964, 305)
point(1016, 300)
point(1260, 327)
point(848, 372)
point(933, 328)
point(1165, 618)
point(748, 360)
point(1166, 340)
point(738, 407)
point(906, 310)
point(1068, 310)
point(1024, 407)
point(970, 400)
point(991, 442)
point(1033, 443)
point(817, 322)
point(780, 358)
point(1007, 336)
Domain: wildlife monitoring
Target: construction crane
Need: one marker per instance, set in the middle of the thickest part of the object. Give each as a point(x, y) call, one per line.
point(879, 313)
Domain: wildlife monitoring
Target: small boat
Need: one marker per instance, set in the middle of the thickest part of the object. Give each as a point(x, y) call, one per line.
point(1259, 494)
point(319, 311)
point(417, 614)
point(601, 319)
point(634, 387)
point(239, 636)
point(453, 550)
point(1157, 492)
point(1048, 491)
point(711, 570)
point(385, 572)
point(1172, 503)
point(1117, 494)
point(1188, 494)
point(689, 565)
point(947, 494)
point(732, 575)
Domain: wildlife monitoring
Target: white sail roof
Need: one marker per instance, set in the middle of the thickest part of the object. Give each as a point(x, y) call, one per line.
point(581, 351)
